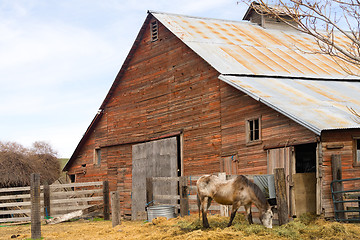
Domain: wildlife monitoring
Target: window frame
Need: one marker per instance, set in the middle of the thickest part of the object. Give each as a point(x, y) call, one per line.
point(249, 132)
point(97, 156)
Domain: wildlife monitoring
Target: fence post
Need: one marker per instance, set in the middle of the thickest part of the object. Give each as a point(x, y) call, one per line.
point(280, 188)
point(338, 186)
point(47, 210)
point(106, 200)
point(115, 208)
point(184, 198)
point(35, 206)
point(224, 210)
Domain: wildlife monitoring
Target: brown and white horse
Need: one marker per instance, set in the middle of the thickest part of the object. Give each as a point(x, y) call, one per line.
point(237, 192)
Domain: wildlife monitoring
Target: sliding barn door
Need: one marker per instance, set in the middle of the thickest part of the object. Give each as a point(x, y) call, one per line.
point(152, 159)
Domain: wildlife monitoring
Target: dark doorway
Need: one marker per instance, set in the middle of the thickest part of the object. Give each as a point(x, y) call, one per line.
point(304, 179)
point(305, 155)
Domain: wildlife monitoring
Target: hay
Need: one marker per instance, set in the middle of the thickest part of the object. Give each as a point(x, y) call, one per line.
point(190, 227)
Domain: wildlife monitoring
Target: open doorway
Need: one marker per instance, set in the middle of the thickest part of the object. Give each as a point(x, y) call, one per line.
point(304, 179)
point(305, 158)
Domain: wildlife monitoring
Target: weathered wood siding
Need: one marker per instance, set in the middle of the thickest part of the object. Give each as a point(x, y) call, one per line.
point(166, 89)
point(277, 130)
point(338, 142)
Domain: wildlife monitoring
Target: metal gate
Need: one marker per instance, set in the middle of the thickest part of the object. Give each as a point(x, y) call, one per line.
point(346, 202)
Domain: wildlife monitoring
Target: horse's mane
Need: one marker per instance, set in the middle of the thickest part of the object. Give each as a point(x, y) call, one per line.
point(257, 191)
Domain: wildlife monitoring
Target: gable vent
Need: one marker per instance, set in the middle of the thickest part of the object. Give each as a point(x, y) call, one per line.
point(154, 31)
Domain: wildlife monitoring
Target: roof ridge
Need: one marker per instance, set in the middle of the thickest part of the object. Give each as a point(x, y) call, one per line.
point(205, 18)
point(315, 78)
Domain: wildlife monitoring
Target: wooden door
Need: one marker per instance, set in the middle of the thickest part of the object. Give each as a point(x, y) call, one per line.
point(305, 192)
point(284, 158)
point(152, 159)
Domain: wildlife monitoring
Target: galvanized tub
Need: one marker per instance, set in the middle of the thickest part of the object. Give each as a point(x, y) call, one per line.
point(160, 211)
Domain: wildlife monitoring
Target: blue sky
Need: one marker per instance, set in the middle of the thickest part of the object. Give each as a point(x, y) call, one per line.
point(58, 59)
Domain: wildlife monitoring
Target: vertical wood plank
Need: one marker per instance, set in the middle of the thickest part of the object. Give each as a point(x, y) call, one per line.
point(224, 210)
point(149, 192)
point(47, 210)
point(184, 197)
point(280, 188)
point(115, 208)
point(35, 206)
point(106, 200)
point(337, 175)
point(319, 169)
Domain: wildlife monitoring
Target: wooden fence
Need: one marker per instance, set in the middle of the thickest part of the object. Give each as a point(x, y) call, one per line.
point(55, 200)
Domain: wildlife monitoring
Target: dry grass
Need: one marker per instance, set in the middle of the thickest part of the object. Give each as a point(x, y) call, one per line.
point(190, 227)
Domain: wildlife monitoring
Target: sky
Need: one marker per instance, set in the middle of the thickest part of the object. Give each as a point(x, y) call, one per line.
point(58, 59)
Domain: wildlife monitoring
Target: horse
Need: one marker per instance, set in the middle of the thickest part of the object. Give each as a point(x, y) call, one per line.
point(237, 192)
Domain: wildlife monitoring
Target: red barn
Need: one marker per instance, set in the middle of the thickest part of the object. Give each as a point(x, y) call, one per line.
point(198, 95)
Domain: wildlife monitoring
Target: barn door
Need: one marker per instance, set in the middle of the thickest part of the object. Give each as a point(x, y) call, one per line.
point(152, 159)
point(284, 158)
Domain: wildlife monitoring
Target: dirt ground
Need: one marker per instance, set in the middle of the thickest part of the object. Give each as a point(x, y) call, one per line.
point(305, 227)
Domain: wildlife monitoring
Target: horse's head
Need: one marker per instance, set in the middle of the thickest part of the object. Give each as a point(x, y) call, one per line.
point(267, 217)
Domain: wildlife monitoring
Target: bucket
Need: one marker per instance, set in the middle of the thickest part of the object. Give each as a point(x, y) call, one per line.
point(160, 211)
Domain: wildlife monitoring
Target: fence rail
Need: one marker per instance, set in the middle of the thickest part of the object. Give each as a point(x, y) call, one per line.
point(346, 202)
point(15, 202)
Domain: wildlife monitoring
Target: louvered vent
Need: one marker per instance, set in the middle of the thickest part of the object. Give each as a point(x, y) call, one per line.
point(154, 31)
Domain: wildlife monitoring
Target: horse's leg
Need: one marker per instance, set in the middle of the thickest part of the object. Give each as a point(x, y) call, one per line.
point(204, 207)
point(234, 209)
point(248, 212)
point(198, 203)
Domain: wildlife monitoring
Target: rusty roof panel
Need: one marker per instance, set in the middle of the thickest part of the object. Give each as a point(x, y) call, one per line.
point(275, 67)
point(316, 104)
point(240, 47)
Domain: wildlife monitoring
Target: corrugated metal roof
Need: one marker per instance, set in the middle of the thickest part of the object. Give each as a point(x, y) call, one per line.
point(274, 67)
point(316, 104)
point(240, 47)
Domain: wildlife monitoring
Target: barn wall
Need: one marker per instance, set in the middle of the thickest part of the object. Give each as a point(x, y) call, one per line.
point(338, 142)
point(277, 131)
point(166, 89)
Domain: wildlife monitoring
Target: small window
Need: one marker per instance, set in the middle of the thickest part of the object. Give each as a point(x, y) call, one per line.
point(154, 31)
point(357, 152)
point(72, 178)
point(253, 130)
point(97, 156)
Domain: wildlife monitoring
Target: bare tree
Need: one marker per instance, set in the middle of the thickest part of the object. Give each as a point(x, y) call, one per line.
point(334, 24)
point(18, 162)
